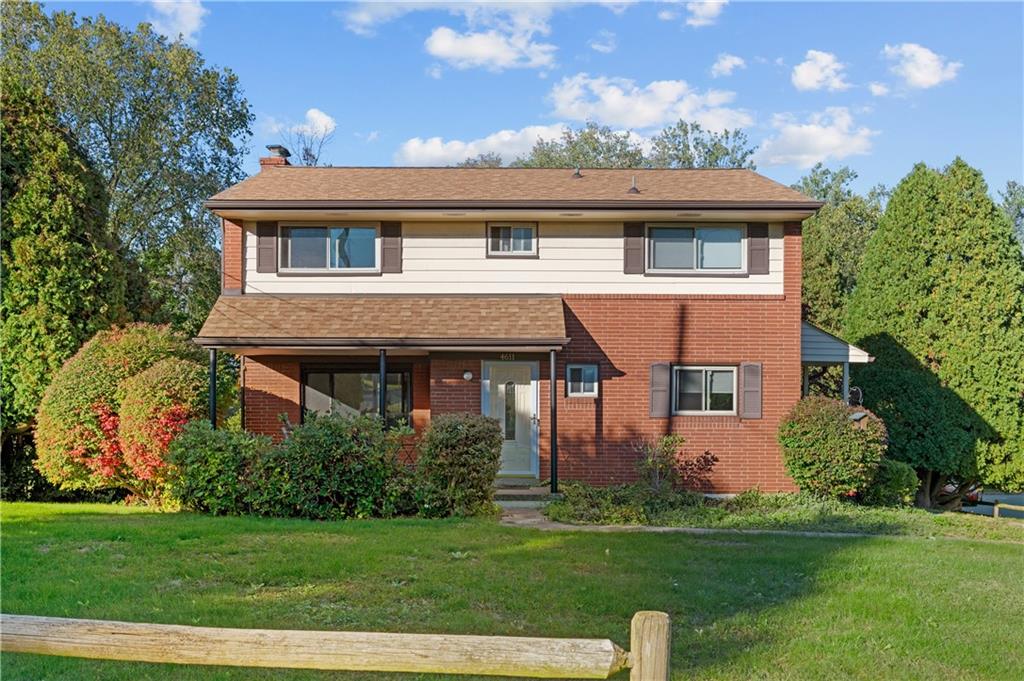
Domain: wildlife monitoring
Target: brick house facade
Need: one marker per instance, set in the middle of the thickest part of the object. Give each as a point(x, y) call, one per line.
point(449, 346)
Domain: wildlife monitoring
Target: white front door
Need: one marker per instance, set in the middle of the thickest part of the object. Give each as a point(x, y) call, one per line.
point(510, 395)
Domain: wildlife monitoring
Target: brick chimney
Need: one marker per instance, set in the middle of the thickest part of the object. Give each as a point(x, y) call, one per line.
point(278, 156)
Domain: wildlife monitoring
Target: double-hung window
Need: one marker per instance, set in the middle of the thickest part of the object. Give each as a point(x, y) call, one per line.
point(694, 248)
point(704, 390)
point(581, 380)
point(511, 239)
point(330, 248)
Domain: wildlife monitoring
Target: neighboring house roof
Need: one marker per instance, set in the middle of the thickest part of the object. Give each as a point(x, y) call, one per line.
point(821, 347)
point(303, 187)
point(347, 321)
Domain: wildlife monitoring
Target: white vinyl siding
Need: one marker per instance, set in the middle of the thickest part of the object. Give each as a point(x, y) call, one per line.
point(451, 257)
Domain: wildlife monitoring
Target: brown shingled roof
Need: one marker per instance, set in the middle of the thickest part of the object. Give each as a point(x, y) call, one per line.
point(346, 320)
point(282, 185)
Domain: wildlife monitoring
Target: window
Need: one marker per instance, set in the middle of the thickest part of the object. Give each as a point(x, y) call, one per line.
point(332, 247)
point(512, 239)
point(704, 390)
point(510, 410)
point(353, 391)
point(695, 249)
point(581, 380)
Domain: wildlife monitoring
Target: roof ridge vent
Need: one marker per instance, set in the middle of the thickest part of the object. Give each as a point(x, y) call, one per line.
point(634, 189)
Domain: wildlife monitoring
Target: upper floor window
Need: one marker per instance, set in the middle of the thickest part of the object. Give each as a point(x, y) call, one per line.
point(330, 247)
point(511, 239)
point(674, 248)
point(704, 390)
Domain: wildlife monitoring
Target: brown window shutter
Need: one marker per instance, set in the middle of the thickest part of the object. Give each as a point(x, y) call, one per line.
point(633, 248)
point(757, 248)
point(661, 398)
point(391, 247)
point(750, 390)
point(266, 247)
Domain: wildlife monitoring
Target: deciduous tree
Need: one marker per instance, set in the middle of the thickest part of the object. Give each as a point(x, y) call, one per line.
point(163, 129)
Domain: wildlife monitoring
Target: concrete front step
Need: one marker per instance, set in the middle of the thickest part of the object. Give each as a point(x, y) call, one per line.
point(521, 494)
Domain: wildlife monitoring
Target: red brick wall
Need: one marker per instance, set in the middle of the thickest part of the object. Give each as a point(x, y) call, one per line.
point(271, 388)
point(449, 391)
point(233, 255)
point(626, 334)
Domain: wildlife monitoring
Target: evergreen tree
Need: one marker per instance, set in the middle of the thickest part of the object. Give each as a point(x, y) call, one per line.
point(63, 279)
point(940, 304)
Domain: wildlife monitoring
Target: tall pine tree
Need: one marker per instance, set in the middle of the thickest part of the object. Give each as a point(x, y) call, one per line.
point(940, 303)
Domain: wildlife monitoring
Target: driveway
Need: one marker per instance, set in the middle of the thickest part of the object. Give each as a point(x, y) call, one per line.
point(980, 509)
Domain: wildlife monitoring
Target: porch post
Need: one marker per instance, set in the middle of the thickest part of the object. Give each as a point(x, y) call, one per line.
point(213, 387)
point(382, 386)
point(553, 397)
point(846, 382)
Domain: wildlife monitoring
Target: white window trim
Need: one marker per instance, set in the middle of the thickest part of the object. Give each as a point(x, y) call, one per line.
point(327, 225)
point(597, 380)
point(697, 269)
point(678, 369)
point(512, 254)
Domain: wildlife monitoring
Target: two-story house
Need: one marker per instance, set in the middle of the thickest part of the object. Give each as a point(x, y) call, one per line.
point(584, 309)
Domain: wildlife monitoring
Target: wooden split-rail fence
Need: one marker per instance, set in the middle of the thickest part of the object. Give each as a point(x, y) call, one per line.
point(547, 658)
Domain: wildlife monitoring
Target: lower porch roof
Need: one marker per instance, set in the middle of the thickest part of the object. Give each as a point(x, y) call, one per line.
point(247, 322)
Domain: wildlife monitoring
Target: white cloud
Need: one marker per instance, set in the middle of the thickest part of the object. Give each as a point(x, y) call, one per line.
point(667, 15)
point(878, 89)
point(918, 66)
point(509, 143)
point(726, 64)
point(620, 102)
point(315, 123)
point(435, 71)
point(704, 12)
point(179, 18)
point(489, 49)
point(819, 70)
point(829, 134)
point(604, 42)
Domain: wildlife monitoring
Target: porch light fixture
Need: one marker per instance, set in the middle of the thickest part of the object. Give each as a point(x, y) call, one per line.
point(467, 375)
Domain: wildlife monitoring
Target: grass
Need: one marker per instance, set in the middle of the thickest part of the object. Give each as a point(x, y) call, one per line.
point(743, 607)
point(756, 511)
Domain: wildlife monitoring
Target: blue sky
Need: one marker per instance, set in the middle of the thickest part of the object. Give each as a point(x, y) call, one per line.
point(876, 86)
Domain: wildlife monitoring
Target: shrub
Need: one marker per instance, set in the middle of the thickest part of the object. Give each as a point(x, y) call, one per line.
point(212, 468)
point(635, 504)
point(155, 405)
point(828, 454)
point(459, 458)
point(331, 467)
point(77, 426)
point(895, 484)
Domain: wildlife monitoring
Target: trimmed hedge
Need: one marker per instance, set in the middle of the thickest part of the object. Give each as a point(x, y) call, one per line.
point(826, 452)
point(459, 458)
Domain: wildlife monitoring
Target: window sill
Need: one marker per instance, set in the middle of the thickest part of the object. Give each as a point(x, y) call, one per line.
point(513, 256)
point(329, 273)
point(697, 275)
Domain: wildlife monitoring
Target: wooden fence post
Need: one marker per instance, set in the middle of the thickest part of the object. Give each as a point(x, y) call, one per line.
point(995, 510)
point(650, 646)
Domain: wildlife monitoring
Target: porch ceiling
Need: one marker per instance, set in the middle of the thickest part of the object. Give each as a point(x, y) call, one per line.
point(340, 322)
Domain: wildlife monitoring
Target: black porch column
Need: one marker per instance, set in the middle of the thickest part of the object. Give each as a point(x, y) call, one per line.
point(382, 387)
point(553, 396)
point(213, 387)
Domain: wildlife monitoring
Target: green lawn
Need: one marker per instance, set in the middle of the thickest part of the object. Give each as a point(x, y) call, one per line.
point(743, 607)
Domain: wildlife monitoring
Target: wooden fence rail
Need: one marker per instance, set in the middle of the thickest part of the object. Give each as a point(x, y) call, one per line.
point(996, 507)
point(550, 658)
